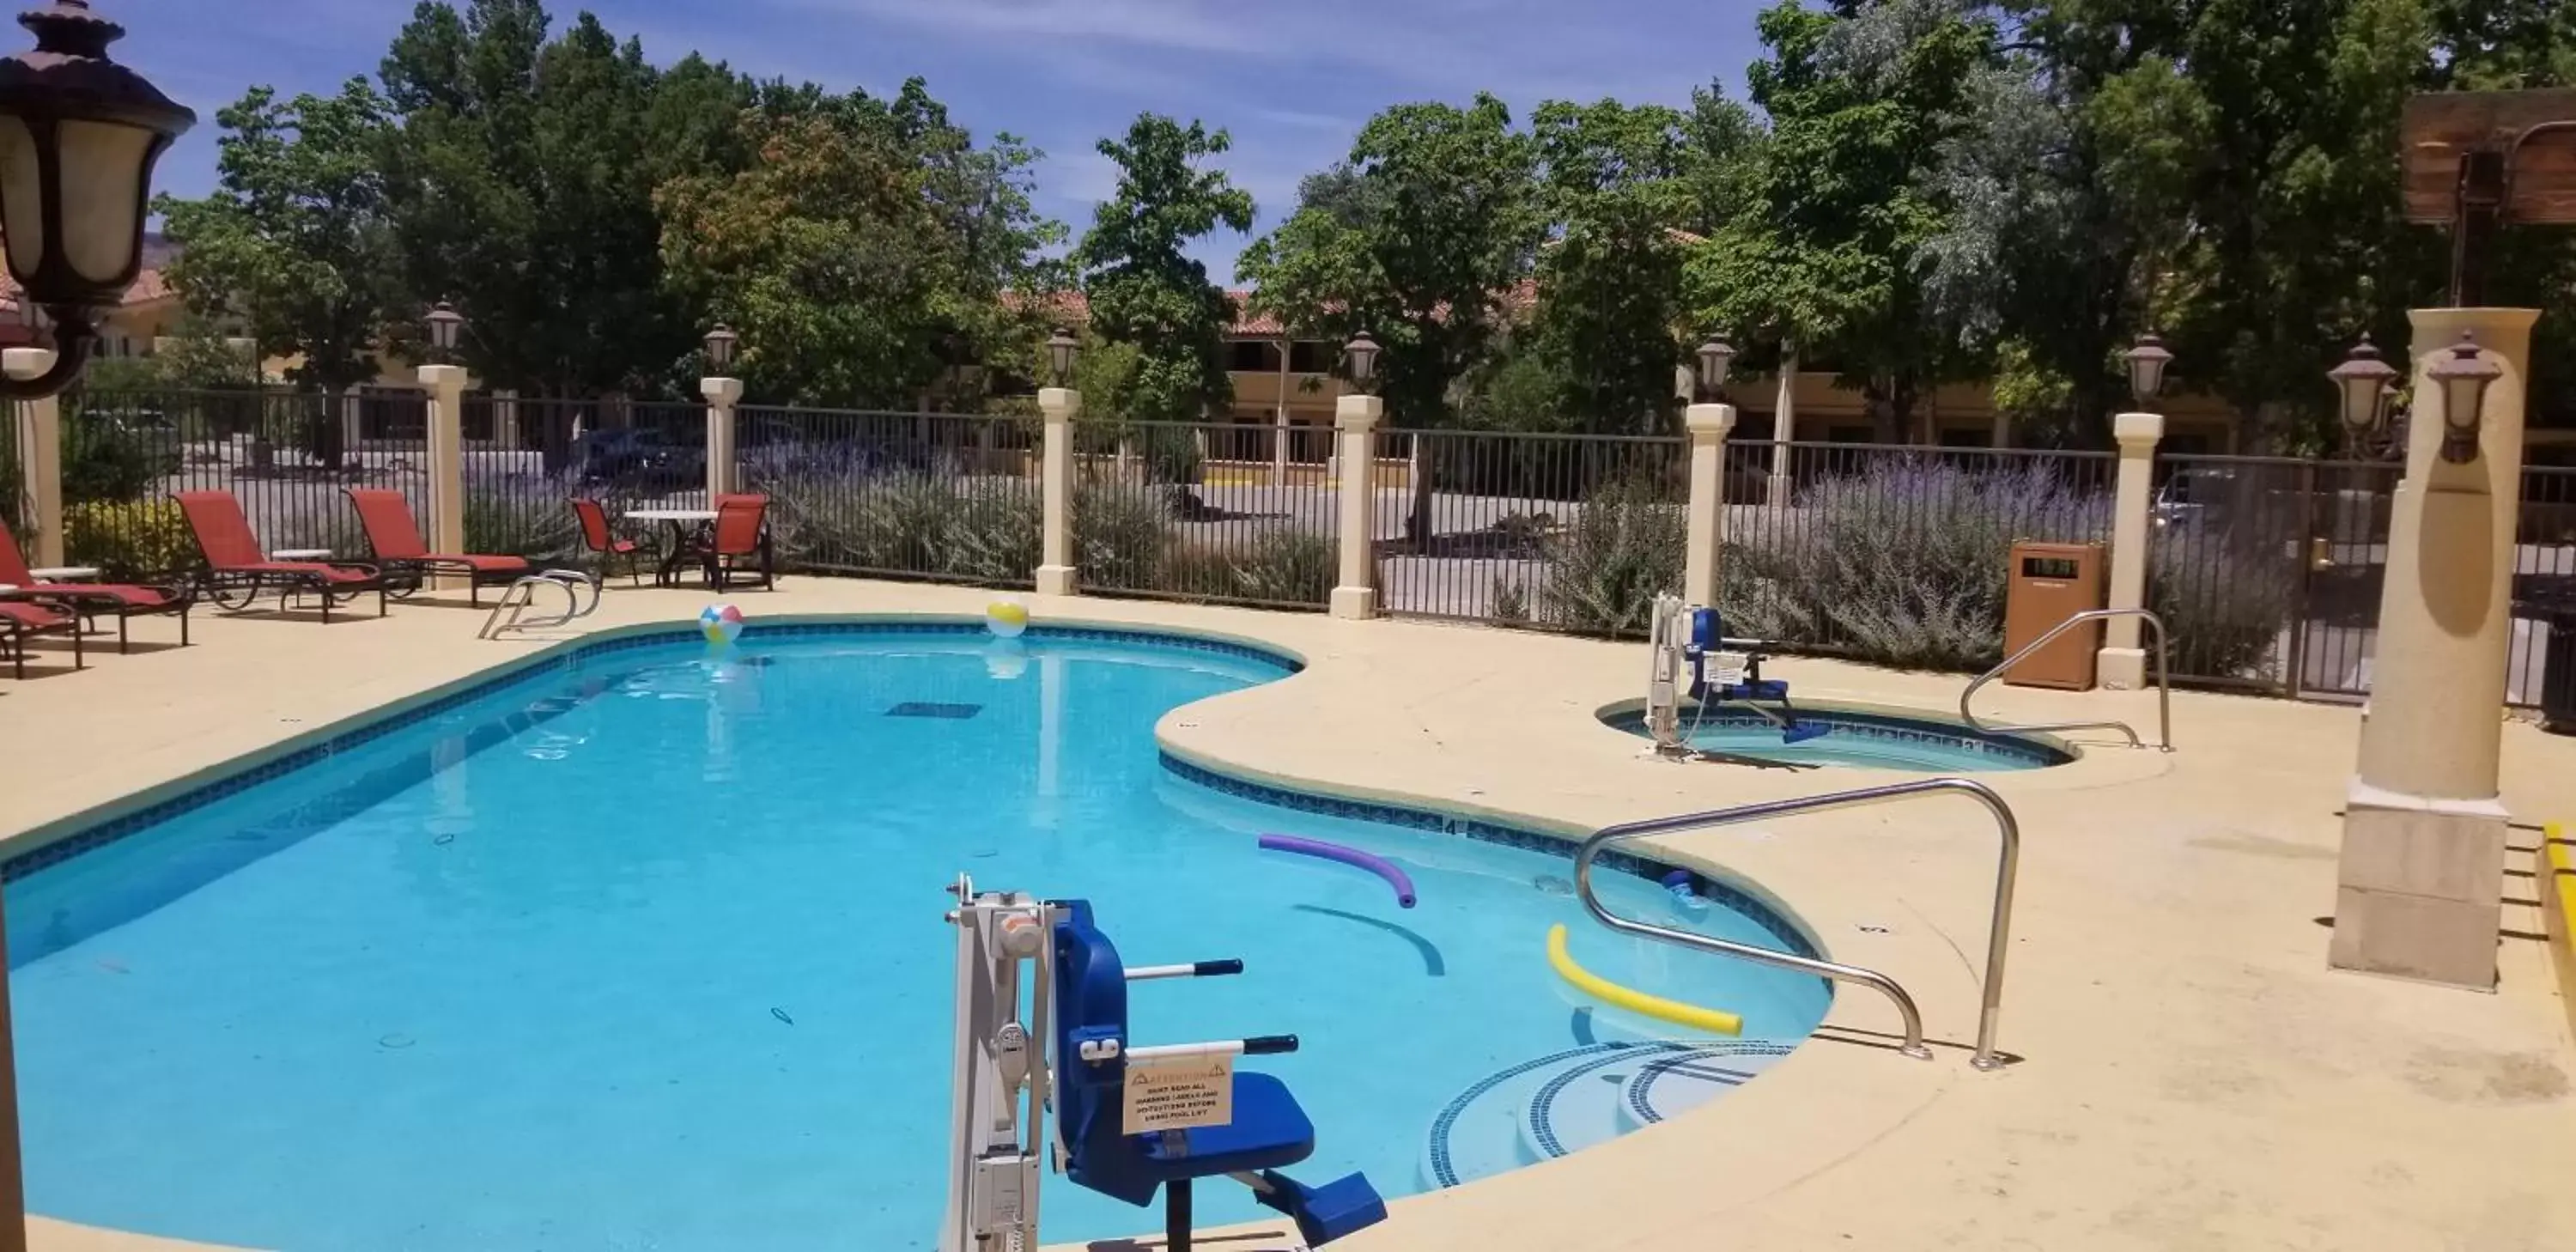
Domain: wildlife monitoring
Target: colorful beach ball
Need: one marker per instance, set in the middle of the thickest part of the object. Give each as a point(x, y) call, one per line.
point(720, 623)
point(1006, 618)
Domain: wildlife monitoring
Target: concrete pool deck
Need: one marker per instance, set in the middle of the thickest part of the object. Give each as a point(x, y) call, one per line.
point(2189, 1073)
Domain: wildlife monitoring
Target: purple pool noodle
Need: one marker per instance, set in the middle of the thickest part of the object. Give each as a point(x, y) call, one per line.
point(1369, 861)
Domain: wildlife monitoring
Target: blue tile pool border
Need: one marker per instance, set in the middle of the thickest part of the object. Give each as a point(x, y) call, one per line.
point(371, 726)
point(1528, 839)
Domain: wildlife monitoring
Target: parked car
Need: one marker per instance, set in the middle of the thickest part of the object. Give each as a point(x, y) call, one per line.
point(2194, 497)
point(634, 458)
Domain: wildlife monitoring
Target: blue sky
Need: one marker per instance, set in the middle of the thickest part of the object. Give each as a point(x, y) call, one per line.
point(1292, 82)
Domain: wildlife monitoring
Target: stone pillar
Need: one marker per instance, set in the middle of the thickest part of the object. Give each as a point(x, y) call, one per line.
point(446, 384)
point(40, 459)
point(1784, 427)
point(1355, 420)
point(723, 469)
point(1705, 523)
point(2419, 892)
point(1055, 575)
point(2122, 663)
point(2003, 431)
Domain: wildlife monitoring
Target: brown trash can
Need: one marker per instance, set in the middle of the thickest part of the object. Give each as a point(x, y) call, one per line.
point(2049, 583)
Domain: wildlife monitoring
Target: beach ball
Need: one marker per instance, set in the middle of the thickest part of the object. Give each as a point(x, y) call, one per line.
point(1006, 618)
point(720, 623)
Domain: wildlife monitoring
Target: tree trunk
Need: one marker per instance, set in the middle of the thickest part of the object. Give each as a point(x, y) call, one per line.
point(323, 435)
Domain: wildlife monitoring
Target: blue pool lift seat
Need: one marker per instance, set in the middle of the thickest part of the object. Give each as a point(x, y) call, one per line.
point(1269, 1130)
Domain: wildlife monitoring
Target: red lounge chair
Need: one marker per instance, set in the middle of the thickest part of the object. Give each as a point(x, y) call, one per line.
point(393, 539)
point(125, 600)
point(21, 620)
point(237, 571)
point(741, 539)
point(602, 540)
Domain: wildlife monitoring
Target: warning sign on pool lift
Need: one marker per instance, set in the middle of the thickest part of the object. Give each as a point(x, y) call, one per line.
point(1177, 1093)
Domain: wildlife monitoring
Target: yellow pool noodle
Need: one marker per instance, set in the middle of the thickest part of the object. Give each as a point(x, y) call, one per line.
point(1712, 1020)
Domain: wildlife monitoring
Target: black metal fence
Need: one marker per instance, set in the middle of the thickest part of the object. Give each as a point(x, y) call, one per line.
point(287, 456)
point(940, 496)
point(16, 504)
point(2544, 576)
point(1200, 511)
point(1560, 532)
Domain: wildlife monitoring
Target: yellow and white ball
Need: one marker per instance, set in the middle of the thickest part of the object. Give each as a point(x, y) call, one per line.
point(1007, 619)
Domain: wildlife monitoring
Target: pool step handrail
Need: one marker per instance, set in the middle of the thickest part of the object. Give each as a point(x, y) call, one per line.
point(522, 596)
point(1999, 931)
point(2164, 684)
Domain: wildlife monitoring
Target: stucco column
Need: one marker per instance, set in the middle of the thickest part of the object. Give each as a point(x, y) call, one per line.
point(722, 469)
point(2122, 663)
point(446, 384)
point(40, 459)
point(1784, 427)
point(1355, 420)
point(2419, 889)
point(2001, 435)
point(1705, 523)
point(1055, 574)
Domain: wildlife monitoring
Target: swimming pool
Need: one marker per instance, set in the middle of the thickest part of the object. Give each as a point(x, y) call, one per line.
point(642, 948)
point(1858, 738)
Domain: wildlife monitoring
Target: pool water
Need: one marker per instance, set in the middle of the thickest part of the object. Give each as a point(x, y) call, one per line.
point(1856, 739)
point(645, 950)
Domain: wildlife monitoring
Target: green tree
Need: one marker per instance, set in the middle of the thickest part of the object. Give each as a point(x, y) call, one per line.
point(297, 239)
point(1425, 238)
point(1422, 237)
point(523, 173)
point(1144, 288)
point(1861, 102)
point(1616, 181)
point(864, 252)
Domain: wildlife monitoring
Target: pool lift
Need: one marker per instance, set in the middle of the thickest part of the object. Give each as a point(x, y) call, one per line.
point(1683, 639)
point(1131, 1119)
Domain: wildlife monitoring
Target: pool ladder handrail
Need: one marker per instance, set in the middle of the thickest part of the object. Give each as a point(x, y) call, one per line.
point(522, 595)
point(1999, 931)
point(2164, 684)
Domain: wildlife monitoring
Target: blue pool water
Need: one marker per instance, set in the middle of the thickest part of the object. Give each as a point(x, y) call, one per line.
point(1856, 739)
point(645, 950)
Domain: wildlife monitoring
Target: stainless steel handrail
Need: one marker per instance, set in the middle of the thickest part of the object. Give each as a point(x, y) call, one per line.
point(1999, 931)
point(2164, 684)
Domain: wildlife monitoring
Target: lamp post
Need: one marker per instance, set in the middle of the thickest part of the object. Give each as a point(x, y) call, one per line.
point(1707, 424)
point(1716, 357)
point(2147, 362)
point(1355, 421)
point(1061, 348)
point(723, 392)
point(444, 324)
point(79, 135)
point(1057, 405)
point(2464, 374)
point(721, 345)
point(1359, 359)
point(2121, 663)
point(2363, 383)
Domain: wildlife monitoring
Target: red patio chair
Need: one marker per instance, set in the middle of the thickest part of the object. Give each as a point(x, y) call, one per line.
point(21, 620)
point(601, 539)
point(393, 540)
point(91, 600)
point(740, 539)
point(237, 570)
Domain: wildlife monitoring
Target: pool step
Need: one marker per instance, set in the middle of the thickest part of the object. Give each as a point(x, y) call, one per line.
point(1566, 1101)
